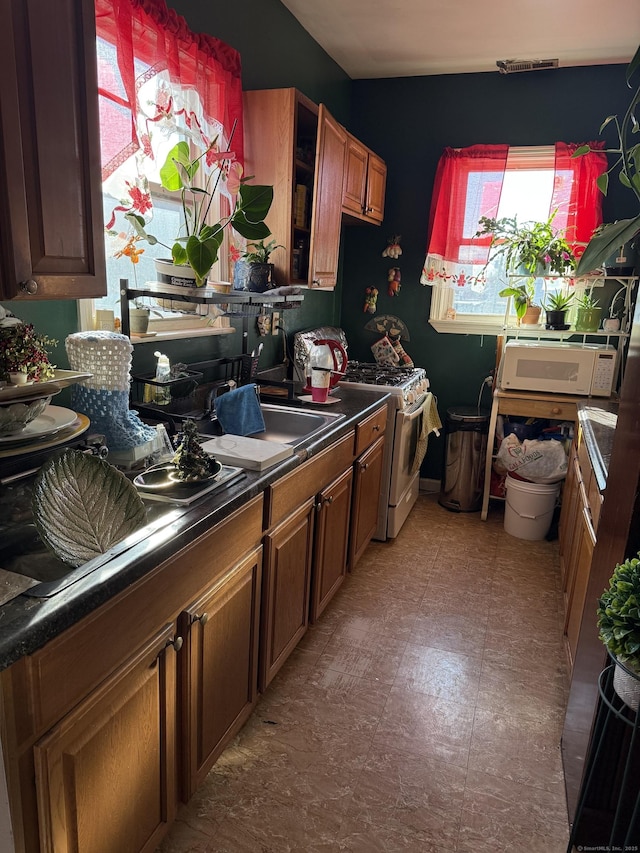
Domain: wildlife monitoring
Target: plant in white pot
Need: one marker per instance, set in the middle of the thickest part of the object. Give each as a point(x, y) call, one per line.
point(619, 623)
point(196, 246)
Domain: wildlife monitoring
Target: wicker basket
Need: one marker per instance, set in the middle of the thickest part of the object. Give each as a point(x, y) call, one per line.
point(627, 686)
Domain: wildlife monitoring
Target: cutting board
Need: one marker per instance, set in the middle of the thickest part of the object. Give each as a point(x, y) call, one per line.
point(250, 453)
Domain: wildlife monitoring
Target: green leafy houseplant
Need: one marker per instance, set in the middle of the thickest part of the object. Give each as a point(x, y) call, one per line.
point(587, 301)
point(619, 613)
point(535, 247)
point(558, 301)
point(259, 253)
point(198, 242)
point(609, 238)
point(23, 350)
point(523, 296)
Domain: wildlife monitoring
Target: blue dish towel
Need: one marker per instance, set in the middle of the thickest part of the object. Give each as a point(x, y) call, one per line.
point(239, 412)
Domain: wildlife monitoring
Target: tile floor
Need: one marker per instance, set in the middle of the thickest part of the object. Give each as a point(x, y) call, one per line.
point(422, 713)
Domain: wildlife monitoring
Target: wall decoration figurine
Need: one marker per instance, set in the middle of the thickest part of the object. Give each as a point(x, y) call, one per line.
point(370, 300)
point(394, 281)
point(393, 249)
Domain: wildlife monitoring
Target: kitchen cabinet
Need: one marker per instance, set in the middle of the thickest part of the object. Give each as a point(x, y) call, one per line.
point(299, 148)
point(331, 551)
point(579, 517)
point(366, 493)
point(220, 657)
point(105, 775)
point(287, 581)
point(364, 183)
point(93, 721)
point(289, 548)
point(51, 223)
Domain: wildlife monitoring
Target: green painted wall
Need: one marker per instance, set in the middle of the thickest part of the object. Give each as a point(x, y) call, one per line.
point(409, 121)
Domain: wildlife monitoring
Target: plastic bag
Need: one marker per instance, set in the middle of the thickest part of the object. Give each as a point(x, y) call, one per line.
point(535, 460)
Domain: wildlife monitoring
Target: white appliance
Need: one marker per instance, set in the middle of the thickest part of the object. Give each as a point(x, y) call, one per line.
point(408, 387)
point(560, 368)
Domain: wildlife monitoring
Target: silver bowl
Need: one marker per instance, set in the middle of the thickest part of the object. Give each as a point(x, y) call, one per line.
point(15, 416)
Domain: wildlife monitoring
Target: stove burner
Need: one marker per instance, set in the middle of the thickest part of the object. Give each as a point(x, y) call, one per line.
point(378, 374)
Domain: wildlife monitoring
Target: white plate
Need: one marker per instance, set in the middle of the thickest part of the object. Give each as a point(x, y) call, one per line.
point(53, 418)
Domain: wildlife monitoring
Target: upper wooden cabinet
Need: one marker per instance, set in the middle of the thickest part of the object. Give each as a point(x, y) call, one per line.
point(51, 223)
point(300, 149)
point(365, 181)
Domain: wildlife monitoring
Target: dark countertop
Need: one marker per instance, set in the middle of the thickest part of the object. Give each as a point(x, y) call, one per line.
point(27, 623)
point(598, 421)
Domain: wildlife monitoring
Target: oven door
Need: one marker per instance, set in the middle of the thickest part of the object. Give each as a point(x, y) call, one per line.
point(405, 440)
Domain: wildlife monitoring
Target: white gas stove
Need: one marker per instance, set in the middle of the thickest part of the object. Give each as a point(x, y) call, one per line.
point(407, 387)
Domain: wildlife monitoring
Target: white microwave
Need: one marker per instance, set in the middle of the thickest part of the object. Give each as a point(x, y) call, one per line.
point(560, 368)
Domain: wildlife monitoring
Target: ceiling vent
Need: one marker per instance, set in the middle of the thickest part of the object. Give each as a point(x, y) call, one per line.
point(511, 66)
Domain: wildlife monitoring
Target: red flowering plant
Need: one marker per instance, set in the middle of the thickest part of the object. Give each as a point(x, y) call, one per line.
point(22, 350)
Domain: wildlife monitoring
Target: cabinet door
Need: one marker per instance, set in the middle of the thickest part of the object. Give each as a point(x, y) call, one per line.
point(105, 775)
point(220, 677)
point(571, 507)
point(366, 495)
point(285, 596)
point(355, 177)
point(333, 514)
point(376, 187)
point(582, 555)
point(327, 202)
point(51, 204)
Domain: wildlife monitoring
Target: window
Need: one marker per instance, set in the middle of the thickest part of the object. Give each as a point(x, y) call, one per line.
point(159, 83)
point(497, 181)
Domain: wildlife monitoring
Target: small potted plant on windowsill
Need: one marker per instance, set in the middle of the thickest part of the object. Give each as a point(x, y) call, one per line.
point(619, 624)
point(523, 294)
point(556, 306)
point(588, 313)
point(252, 270)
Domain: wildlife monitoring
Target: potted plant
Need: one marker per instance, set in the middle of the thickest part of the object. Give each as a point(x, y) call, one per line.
point(523, 295)
point(588, 313)
point(609, 238)
point(23, 354)
point(252, 270)
point(556, 306)
point(529, 248)
point(196, 246)
point(613, 322)
point(619, 624)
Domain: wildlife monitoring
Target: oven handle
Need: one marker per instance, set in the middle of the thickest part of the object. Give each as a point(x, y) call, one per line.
point(414, 411)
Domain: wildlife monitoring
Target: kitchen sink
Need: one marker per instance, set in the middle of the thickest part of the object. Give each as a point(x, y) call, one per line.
point(284, 424)
point(293, 426)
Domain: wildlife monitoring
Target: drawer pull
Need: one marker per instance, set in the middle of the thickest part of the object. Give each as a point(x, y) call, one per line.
point(202, 619)
point(176, 643)
point(556, 410)
point(376, 427)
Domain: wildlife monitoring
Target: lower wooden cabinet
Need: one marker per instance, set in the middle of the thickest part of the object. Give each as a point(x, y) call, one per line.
point(366, 494)
point(219, 667)
point(285, 594)
point(330, 553)
point(105, 775)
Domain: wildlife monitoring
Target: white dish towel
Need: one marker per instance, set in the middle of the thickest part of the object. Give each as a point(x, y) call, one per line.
point(430, 422)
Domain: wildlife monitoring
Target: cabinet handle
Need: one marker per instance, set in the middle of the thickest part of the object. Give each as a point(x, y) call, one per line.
point(368, 209)
point(316, 282)
point(202, 619)
point(176, 643)
point(555, 410)
point(329, 499)
point(29, 286)
point(376, 427)
point(364, 466)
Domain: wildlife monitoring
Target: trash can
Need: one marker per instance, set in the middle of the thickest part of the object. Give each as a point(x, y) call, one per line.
point(466, 430)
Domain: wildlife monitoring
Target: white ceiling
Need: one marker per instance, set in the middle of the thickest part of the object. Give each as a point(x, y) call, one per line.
point(406, 38)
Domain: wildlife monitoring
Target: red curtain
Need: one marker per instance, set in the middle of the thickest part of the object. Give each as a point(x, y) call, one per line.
point(467, 186)
point(149, 38)
point(580, 199)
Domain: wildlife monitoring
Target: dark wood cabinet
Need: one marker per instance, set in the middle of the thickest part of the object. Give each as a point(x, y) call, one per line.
point(51, 223)
point(330, 557)
point(105, 775)
point(366, 493)
point(220, 666)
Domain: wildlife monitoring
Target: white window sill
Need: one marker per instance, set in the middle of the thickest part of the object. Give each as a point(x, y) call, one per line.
point(467, 327)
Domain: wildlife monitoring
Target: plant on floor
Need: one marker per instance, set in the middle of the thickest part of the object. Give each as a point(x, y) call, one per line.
point(619, 613)
point(603, 244)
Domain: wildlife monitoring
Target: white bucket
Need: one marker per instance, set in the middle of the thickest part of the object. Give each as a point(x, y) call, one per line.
point(529, 508)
